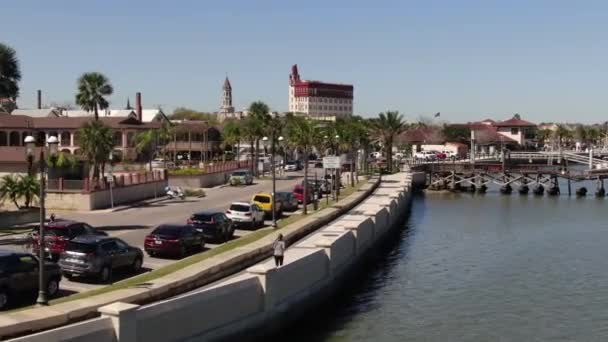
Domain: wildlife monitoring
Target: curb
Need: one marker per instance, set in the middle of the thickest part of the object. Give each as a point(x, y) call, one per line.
point(134, 205)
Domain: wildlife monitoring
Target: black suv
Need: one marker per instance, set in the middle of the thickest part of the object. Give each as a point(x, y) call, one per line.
point(214, 225)
point(19, 275)
point(99, 256)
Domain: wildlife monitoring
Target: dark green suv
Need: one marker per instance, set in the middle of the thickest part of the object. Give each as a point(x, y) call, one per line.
point(19, 276)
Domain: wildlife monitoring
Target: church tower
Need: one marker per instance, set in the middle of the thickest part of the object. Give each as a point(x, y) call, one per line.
point(227, 107)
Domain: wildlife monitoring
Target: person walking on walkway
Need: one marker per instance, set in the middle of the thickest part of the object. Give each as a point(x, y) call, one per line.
point(278, 248)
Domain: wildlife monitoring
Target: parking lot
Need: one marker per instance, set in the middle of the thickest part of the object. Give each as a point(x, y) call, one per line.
point(132, 224)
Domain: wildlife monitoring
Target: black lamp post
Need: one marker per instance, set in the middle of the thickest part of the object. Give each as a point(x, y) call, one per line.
point(272, 170)
point(30, 144)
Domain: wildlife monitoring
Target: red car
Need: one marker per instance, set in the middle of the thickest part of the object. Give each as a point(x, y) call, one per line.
point(174, 240)
point(440, 155)
point(58, 233)
point(298, 192)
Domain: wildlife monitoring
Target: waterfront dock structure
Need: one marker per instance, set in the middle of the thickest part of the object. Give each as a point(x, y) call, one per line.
point(540, 170)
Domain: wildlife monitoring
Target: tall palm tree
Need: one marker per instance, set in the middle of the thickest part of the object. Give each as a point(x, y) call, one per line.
point(93, 88)
point(303, 133)
point(254, 127)
point(387, 127)
point(10, 73)
point(96, 142)
point(145, 145)
point(233, 134)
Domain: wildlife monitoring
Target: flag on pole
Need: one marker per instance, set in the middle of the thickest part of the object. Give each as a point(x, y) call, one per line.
point(437, 114)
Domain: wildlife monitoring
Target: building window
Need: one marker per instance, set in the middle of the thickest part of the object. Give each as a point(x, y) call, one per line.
point(3, 139)
point(514, 131)
point(15, 139)
point(65, 139)
point(118, 139)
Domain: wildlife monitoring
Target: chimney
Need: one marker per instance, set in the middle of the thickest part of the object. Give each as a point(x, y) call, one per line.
point(138, 106)
point(39, 99)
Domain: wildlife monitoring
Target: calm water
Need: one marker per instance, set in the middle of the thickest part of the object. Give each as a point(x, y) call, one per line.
point(480, 268)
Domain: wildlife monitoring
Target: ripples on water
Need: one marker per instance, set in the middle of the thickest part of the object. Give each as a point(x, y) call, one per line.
point(479, 268)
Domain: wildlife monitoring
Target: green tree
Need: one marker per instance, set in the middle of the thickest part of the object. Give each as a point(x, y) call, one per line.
point(233, 134)
point(9, 189)
point(456, 133)
point(254, 128)
point(183, 113)
point(10, 73)
point(544, 136)
point(29, 188)
point(562, 133)
point(145, 145)
point(96, 142)
point(303, 133)
point(387, 127)
point(93, 88)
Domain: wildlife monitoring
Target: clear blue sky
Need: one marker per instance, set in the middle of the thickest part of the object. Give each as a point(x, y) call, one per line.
point(546, 60)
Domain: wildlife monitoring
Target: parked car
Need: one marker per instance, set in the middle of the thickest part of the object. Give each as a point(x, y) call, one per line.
point(375, 155)
point(161, 164)
point(241, 177)
point(440, 155)
point(99, 256)
point(264, 201)
point(425, 155)
point(289, 202)
point(246, 215)
point(291, 166)
point(450, 155)
point(319, 164)
point(174, 240)
point(214, 225)
point(58, 233)
point(19, 276)
point(298, 192)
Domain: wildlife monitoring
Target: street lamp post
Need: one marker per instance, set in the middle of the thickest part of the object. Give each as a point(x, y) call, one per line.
point(338, 169)
point(111, 180)
point(272, 168)
point(30, 143)
point(280, 139)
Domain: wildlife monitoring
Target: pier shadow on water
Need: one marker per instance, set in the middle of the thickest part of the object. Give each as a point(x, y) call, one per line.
point(356, 295)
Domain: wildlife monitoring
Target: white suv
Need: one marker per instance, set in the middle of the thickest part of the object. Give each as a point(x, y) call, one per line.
point(246, 215)
point(425, 155)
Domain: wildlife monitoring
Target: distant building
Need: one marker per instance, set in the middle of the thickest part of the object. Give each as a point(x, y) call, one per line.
point(319, 100)
point(143, 115)
point(227, 109)
point(7, 104)
point(522, 131)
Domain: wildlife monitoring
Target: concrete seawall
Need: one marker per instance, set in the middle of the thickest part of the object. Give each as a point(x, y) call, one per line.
point(257, 301)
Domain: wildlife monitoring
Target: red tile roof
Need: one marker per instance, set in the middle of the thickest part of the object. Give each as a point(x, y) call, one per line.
point(514, 122)
point(488, 135)
point(427, 135)
point(26, 122)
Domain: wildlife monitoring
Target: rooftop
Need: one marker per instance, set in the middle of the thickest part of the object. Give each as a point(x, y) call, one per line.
point(515, 121)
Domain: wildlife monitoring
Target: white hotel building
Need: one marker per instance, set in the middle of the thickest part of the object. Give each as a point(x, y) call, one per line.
point(319, 100)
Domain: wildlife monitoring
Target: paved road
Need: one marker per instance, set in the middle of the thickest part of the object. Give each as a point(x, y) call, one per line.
point(133, 224)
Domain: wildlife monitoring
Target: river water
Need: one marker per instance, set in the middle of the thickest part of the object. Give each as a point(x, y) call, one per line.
point(479, 268)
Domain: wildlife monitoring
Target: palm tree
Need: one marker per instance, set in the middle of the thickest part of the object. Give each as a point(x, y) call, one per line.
point(258, 116)
point(233, 134)
point(96, 142)
point(93, 87)
point(303, 133)
point(9, 189)
point(10, 73)
point(351, 133)
point(29, 188)
point(387, 127)
point(145, 145)
point(562, 132)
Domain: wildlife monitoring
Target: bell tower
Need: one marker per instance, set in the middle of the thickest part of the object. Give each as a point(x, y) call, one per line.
point(227, 97)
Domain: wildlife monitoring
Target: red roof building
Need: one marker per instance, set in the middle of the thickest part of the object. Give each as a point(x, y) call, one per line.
point(318, 99)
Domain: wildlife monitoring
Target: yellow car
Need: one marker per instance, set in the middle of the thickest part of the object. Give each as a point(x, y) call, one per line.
point(264, 201)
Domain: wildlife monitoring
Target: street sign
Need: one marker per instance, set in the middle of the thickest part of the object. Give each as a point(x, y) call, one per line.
point(331, 162)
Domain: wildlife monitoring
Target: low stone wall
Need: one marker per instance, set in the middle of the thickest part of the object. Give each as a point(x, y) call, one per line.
point(15, 217)
point(99, 329)
point(100, 199)
point(201, 181)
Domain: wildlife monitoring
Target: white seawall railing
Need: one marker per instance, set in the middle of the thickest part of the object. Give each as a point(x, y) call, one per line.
point(262, 298)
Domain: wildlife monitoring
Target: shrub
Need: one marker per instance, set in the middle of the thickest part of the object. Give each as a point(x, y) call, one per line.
point(188, 171)
point(194, 193)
